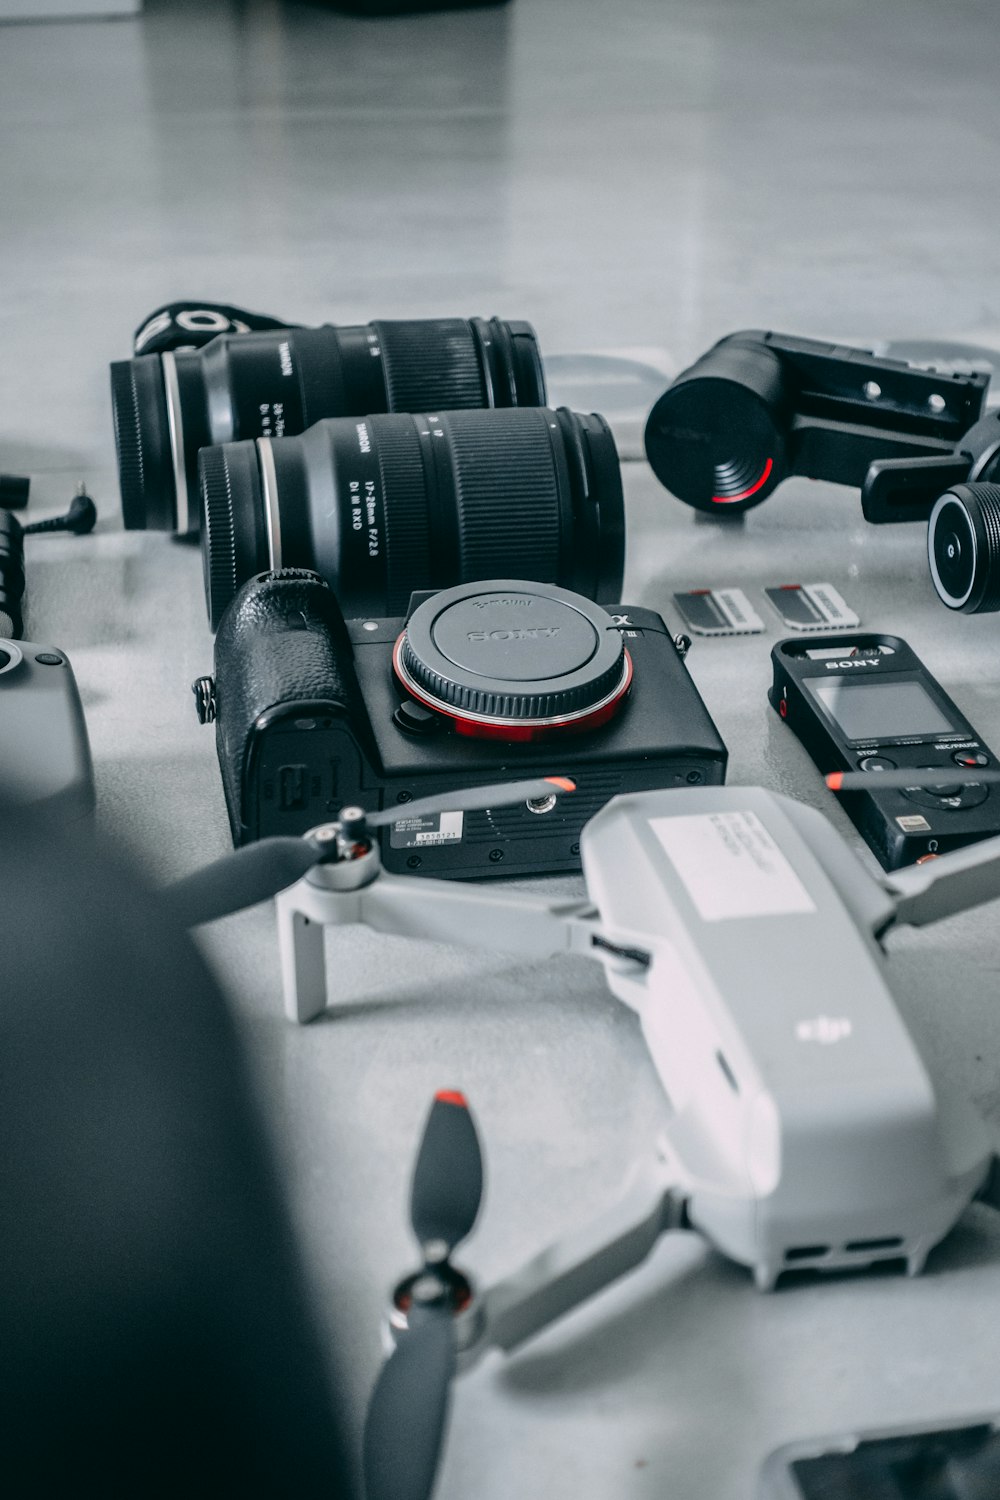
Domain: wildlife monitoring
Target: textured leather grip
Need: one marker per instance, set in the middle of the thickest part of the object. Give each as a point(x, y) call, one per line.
point(282, 640)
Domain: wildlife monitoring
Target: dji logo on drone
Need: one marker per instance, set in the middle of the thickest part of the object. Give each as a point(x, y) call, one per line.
point(825, 1029)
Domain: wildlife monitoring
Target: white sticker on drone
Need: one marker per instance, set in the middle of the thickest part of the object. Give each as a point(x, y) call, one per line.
point(433, 828)
point(731, 866)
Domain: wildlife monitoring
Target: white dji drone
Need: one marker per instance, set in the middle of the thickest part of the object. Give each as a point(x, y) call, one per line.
point(805, 1128)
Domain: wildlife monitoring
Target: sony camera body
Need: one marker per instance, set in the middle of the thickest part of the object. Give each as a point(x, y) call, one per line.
point(480, 683)
point(44, 750)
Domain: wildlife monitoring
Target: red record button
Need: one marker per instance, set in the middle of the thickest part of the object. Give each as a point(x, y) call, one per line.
point(970, 758)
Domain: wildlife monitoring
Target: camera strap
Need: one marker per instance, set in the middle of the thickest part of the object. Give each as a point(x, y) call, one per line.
point(188, 325)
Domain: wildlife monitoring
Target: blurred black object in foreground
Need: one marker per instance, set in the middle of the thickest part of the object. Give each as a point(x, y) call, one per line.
point(155, 1337)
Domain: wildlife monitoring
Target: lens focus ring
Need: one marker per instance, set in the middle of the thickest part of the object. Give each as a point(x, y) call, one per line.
point(430, 365)
point(507, 506)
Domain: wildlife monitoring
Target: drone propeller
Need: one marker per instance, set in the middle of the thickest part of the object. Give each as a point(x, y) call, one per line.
point(918, 776)
point(240, 879)
point(259, 871)
point(408, 1412)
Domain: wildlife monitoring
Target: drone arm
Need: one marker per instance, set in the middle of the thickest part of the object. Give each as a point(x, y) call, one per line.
point(948, 884)
point(442, 910)
point(582, 1264)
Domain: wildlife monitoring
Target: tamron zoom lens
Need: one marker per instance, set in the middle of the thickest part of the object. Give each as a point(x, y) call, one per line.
point(273, 384)
point(387, 504)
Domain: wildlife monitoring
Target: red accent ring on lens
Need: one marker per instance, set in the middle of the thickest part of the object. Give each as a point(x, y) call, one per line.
point(745, 494)
point(514, 731)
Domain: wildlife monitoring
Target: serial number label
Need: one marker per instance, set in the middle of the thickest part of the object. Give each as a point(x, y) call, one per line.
point(417, 833)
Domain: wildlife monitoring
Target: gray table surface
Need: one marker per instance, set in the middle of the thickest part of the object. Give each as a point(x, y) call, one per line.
point(641, 174)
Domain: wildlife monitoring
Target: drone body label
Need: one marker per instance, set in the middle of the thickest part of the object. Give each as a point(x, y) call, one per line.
point(731, 866)
point(417, 833)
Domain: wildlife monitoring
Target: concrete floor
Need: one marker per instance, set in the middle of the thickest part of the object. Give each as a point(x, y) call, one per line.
point(652, 173)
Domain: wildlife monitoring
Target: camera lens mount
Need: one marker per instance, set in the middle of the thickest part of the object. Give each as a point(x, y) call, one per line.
point(512, 660)
point(963, 548)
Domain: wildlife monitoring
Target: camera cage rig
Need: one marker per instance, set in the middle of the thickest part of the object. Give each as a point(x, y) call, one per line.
point(761, 406)
point(806, 1129)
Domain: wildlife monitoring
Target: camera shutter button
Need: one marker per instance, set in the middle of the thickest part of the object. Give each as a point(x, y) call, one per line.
point(49, 659)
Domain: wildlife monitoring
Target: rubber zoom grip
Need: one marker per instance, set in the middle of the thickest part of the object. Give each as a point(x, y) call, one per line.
point(431, 366)
point(507, 500)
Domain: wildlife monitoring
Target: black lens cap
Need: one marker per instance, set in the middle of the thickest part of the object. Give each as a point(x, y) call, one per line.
point(715, 445)
point(512, 651)
point(963, 548)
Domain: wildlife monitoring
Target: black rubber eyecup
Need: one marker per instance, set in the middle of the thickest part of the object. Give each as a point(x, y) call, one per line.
point(963, 548)
point(142, 438)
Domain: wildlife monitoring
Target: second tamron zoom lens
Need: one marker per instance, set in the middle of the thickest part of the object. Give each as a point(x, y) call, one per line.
point(390, 504)
point(167, 407)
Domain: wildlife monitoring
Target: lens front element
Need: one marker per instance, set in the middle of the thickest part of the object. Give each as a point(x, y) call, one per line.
point(963, 548)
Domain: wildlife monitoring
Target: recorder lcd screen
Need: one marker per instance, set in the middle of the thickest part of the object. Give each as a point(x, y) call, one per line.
point(881, 710)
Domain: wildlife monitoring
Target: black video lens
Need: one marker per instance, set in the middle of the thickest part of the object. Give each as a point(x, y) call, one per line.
point(393, 503)
point(277, 383)
point(963, 548)
point(11, 576)
point(716, 438)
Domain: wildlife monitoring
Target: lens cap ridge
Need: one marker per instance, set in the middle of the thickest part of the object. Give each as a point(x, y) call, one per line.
point(512, 651)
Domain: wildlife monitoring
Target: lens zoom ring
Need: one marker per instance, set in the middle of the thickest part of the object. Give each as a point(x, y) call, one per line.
point(219, 540)
point(320, 375)
point(506, 495)
point(430, 366)
point(404, 495)
point(988, 497)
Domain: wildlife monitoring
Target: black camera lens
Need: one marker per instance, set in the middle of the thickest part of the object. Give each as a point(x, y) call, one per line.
point(277, 383)
point(716, 438)
point(963, 548)
point(393, 503)
point(11, 576)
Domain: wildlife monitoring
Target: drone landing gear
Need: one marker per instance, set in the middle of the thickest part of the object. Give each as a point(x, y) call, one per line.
point(359, 891)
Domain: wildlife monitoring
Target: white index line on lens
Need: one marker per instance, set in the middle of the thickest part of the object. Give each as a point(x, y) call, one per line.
point(175, 426)
point(269, 484)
